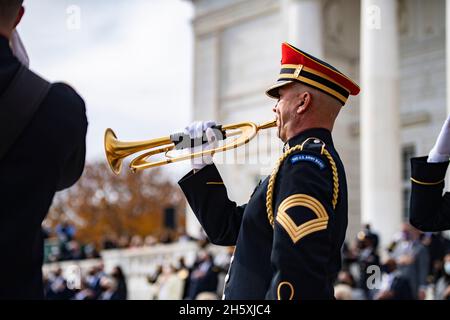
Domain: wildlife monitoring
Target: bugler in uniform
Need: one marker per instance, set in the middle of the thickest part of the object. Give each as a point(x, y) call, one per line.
point(288, 237)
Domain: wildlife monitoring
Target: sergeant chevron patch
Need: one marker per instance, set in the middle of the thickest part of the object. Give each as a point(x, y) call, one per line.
point(294, 231)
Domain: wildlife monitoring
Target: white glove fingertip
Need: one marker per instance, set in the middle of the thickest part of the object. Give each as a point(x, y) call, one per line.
point(210, 135)
point(435, 157)
point(199, 130)
point(208, 124)
point(190, 129)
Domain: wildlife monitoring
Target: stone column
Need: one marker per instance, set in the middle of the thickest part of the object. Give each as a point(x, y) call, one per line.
point(303, 22)
point(447, 50)
point(447, 56)
point(206, 99)
point(381, 187)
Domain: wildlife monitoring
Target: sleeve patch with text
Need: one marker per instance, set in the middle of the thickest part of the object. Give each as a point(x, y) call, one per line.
point(308, 158)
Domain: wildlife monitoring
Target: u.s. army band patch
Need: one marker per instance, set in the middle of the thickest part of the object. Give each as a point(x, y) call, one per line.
point(308, 158)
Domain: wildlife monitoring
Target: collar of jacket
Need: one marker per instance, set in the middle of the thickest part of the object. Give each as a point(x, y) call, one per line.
point(319, 133)
point(5, 50)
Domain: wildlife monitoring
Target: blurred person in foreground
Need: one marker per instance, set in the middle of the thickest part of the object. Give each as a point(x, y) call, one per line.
point(366, 256)
point(289, 235)
point(345, 287)
point(204, 276)
point(57, 288)
point(394, 286)
point(369, 233)
point(43, 129)
point(170, 284)
point(412, 260)
point(119, 276)
point(437, 246)
point(109, 288)
point(443, 284)
point(85, 292)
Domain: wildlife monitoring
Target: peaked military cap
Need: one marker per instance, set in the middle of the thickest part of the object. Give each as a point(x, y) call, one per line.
point(299, 66)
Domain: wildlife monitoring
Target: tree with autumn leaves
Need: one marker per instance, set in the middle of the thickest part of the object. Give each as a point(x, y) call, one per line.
point(103, 205)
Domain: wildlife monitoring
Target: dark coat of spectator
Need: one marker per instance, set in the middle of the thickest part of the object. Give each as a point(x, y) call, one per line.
point(118, 275)
point(203, 278)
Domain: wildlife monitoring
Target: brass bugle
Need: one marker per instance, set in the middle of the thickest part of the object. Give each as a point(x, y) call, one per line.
point(116, 151)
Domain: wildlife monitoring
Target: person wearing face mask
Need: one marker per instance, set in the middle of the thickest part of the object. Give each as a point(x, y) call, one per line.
point(443, 284)
point(289, 235)
point(42, 130)
point(394, 286)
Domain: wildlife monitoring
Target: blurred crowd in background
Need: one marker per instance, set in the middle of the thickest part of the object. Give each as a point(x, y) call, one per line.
point(203, 280)
point(414, 266)
point(95, 285)
point(62, 245)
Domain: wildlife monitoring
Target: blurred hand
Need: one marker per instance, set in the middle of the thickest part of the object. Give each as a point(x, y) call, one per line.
point(195, 131)
point(18, 49)
point(385, 295)
point(441, 149)
point(447, 293)
point(405, 260)
point(422, 294)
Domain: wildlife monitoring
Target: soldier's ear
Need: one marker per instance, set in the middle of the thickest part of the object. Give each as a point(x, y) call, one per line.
point(19, 16)
point(304, 102)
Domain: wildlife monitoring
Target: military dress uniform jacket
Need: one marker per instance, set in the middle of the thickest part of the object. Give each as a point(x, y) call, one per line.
point(48, 156)
point(293, 250)
point(429, 209)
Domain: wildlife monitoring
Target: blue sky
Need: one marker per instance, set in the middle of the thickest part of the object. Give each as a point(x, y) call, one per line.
point(130, 60)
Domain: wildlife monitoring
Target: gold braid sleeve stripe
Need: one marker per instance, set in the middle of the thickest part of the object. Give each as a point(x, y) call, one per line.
point(272, 179)
point(298, 232)
point(427, 183)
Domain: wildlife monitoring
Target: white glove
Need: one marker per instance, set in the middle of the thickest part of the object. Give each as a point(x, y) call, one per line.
point(18, 49)
point(441, 150)
point(195, 131)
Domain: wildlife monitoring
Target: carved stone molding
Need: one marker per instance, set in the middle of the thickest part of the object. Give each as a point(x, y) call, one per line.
point(406, 120)
point(219, 19)
point(333, 21)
